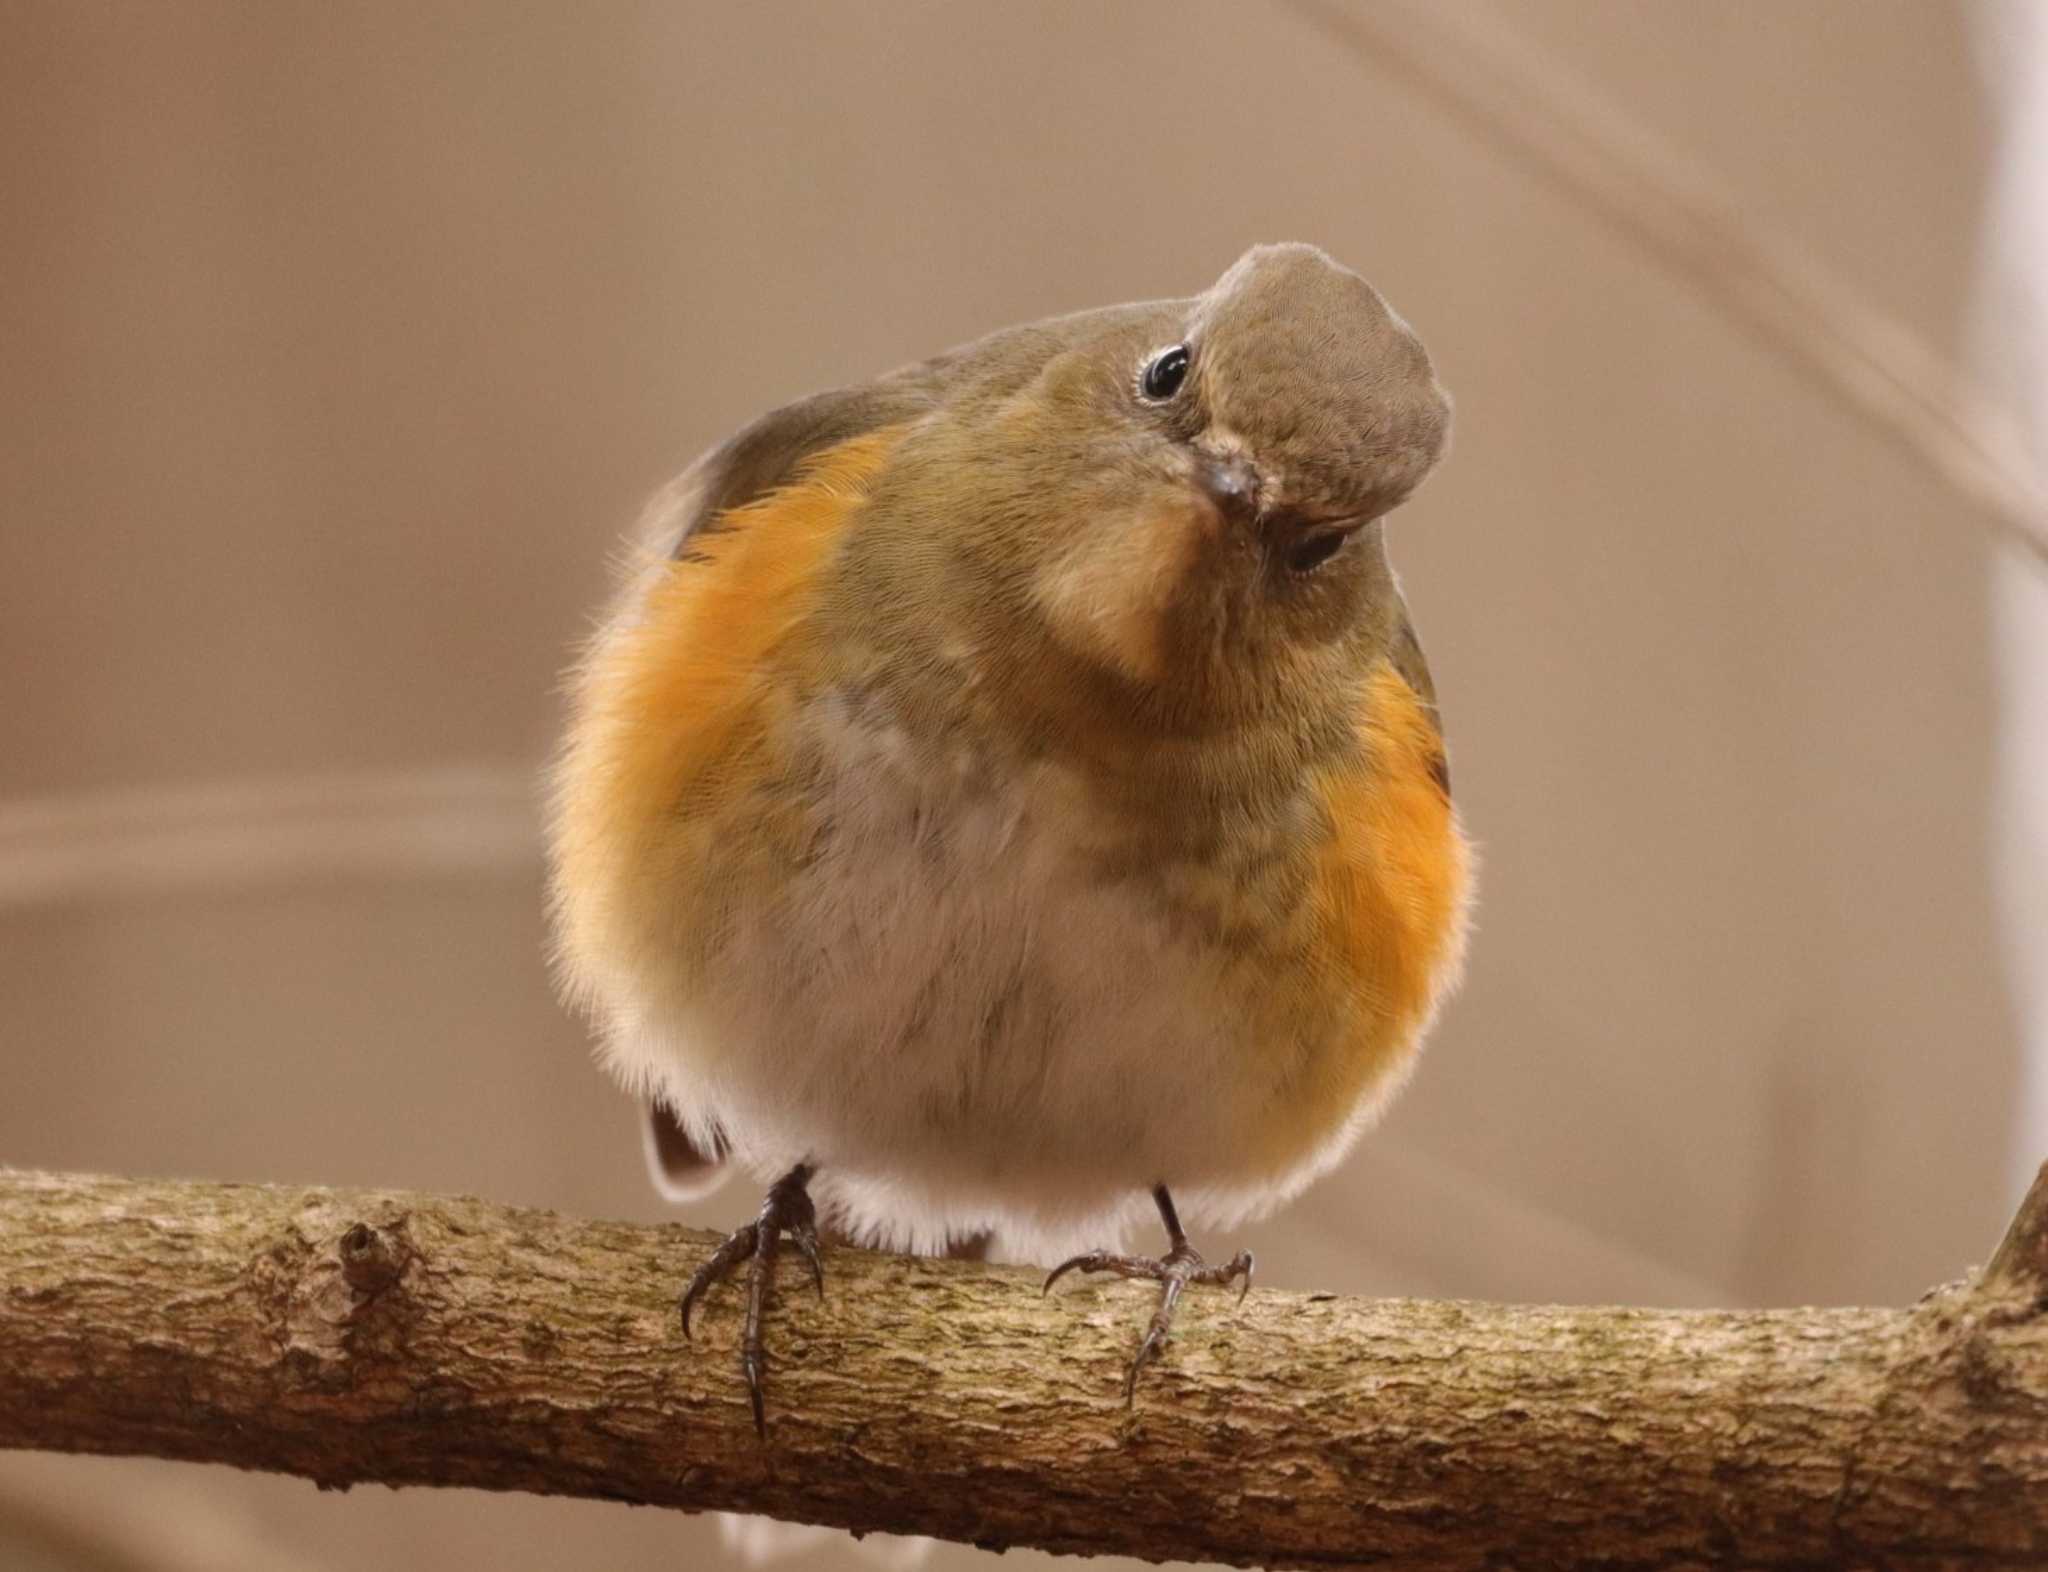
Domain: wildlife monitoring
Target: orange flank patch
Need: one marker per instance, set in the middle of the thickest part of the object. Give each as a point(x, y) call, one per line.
point(1388, 902)
point(676, 715)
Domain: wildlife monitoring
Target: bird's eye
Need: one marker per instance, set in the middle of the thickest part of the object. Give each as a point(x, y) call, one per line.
point(1310, 554)
point(1166, 372)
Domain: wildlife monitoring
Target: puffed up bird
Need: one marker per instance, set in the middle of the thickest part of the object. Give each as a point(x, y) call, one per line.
point(1012, 788)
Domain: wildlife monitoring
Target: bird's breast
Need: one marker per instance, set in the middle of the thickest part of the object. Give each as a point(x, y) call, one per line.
point(911, 950)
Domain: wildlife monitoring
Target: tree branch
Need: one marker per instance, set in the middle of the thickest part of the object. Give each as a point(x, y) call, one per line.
point(411, 1339)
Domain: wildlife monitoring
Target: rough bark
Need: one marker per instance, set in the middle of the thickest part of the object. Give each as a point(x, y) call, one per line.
point(410, 1339)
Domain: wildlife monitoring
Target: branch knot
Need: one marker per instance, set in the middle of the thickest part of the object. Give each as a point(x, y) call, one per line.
point(373, 1258)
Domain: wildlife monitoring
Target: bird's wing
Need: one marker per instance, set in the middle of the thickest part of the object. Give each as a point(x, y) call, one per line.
point(769, 452)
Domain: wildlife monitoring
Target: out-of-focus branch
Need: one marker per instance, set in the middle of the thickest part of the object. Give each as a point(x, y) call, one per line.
point(228, 834)
point(410, 1339)
point(1621, 172)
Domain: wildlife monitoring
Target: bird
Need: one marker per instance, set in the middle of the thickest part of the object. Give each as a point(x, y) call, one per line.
point(1012, 788)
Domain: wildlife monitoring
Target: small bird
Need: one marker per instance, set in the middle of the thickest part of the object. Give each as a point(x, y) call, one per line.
point(1012, 788)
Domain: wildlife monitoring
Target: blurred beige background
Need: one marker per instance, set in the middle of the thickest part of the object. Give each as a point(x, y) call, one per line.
point(340, 344)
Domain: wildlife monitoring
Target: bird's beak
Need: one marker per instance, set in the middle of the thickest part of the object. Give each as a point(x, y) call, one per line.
point(1232, 484)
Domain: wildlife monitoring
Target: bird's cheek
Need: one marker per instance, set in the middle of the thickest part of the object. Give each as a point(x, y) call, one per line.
point(1107, 593)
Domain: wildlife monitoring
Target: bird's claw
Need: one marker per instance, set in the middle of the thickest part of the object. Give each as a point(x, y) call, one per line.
point(1180, 1266)
point(786, 1210)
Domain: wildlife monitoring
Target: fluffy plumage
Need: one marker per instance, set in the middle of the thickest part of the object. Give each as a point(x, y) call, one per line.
point(974, 796)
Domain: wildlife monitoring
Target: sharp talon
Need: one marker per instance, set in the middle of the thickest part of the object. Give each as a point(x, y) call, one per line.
point(1245, 1287)
point(691, 1295)
point(751, 1368)
point(1155, 1338)
point(1072, 1263)
point(807, 1246)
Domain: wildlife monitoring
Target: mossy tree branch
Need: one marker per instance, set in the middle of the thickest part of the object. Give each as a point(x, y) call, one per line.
point(355, 1336)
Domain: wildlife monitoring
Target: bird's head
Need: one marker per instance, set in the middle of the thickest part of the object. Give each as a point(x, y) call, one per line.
point(1183, 496)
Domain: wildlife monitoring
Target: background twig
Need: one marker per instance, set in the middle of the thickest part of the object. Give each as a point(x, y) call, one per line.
point(1615, 168)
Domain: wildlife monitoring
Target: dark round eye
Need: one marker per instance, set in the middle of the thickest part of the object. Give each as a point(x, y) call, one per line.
point(1167, 371)
point(1308, 555)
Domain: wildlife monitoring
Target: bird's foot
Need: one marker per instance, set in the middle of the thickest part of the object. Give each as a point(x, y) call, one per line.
point(787, 1210)
point(1181, 1265)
